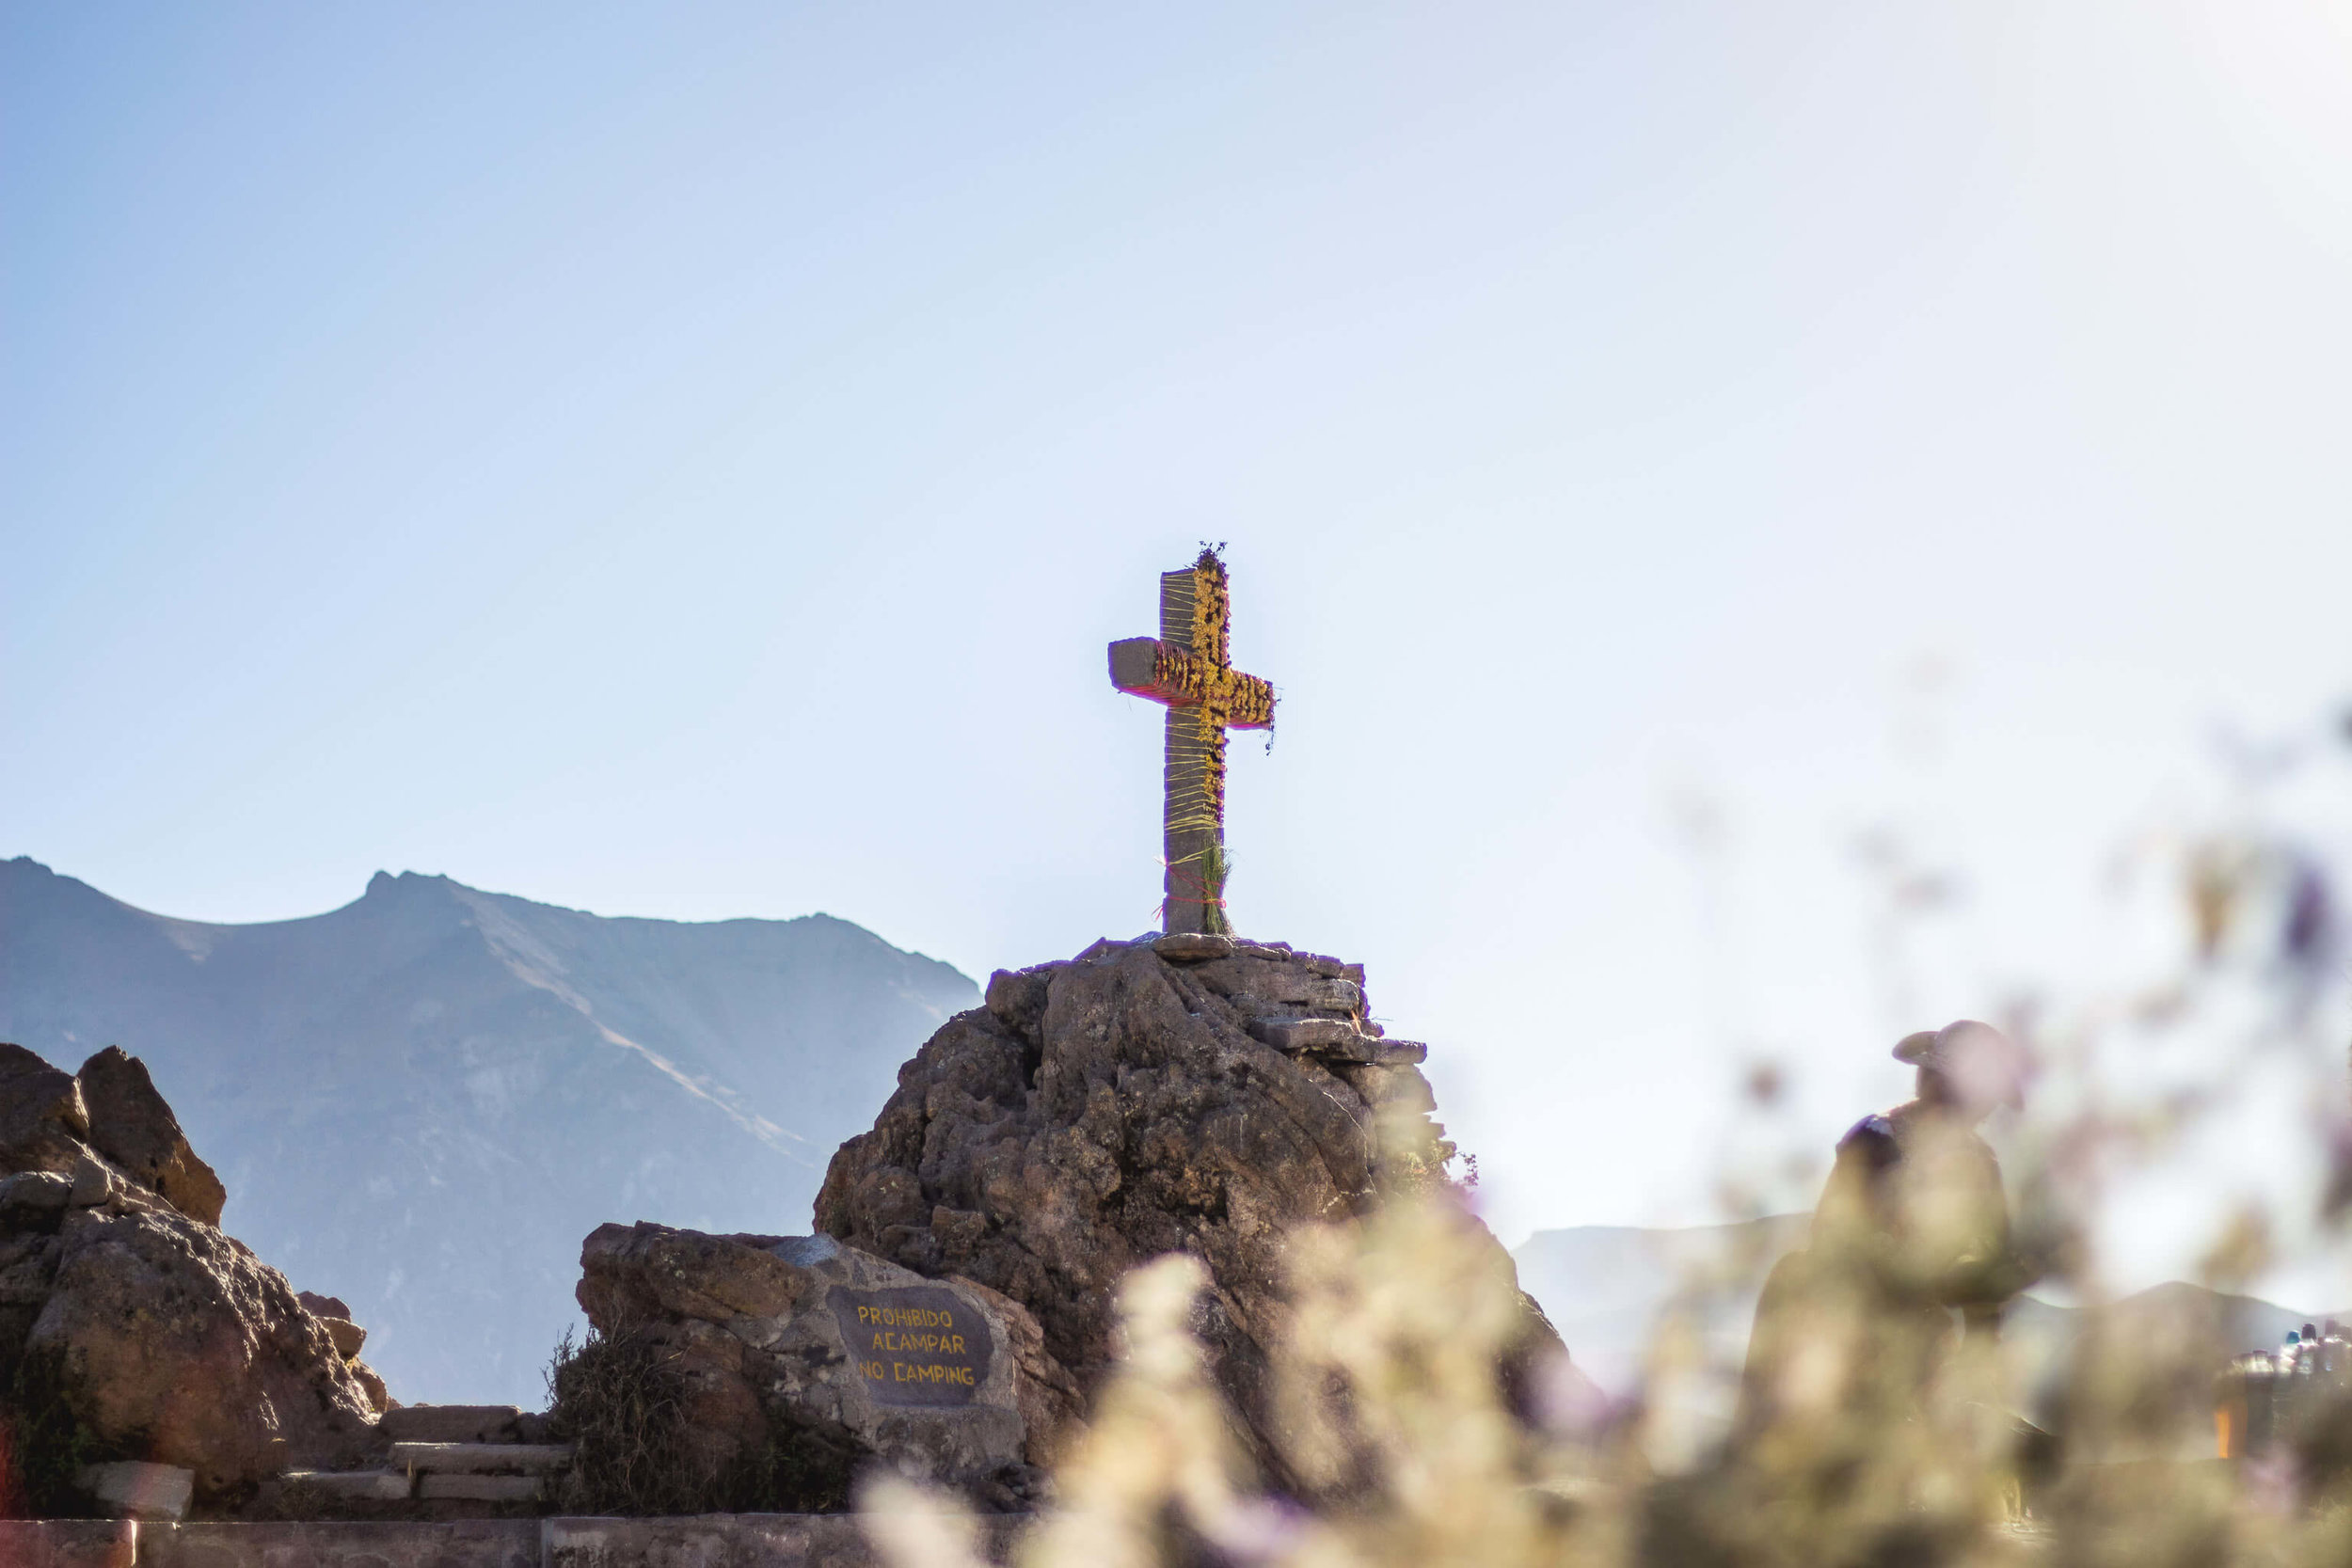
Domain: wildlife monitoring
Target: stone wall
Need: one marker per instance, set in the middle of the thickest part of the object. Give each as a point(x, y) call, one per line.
point(709, 1541)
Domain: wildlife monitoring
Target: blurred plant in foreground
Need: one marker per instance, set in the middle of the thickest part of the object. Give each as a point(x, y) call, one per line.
point(1892, 1440)
point(1416, 1453)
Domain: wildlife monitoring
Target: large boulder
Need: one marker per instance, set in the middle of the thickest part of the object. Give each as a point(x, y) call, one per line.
point(129, 1124)
point(814, 1348)
point(1176, 1094)
point(132, 1328)
point(171, 1337)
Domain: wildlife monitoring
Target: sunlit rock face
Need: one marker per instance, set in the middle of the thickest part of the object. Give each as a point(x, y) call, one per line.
point(421, 1102)
point(129, 1323)
point(1180, 1094)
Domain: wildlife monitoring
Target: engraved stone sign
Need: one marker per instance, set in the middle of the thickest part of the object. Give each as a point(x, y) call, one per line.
point(919, 1344)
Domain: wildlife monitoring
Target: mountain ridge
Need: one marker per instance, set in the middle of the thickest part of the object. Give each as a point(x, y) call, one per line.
point(422, 1099)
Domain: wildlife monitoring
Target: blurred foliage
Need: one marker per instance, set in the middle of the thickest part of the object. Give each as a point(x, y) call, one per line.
point(1876, 1429)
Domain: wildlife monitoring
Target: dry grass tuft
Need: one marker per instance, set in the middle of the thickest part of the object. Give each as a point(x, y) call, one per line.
point(621, 1400)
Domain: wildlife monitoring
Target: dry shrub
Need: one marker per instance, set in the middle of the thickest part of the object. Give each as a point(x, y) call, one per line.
point(620, 1400)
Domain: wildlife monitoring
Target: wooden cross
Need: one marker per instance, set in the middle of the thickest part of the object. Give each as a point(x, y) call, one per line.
point(1189, 667)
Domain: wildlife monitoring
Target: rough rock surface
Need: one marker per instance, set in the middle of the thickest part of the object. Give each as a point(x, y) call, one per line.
point(129, 1124)
point(164, 1339)
point(1137, 1100)
point(42, 1120)
point(800, 1340)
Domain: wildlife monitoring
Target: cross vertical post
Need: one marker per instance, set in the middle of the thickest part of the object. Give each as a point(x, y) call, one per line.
point(1189, 668)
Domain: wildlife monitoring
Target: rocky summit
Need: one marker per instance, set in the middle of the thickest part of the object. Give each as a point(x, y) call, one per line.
point(1185, 1093)
point(133, 1332)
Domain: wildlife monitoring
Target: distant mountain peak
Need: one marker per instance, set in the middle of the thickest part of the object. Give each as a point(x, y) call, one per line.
point(423, 1099)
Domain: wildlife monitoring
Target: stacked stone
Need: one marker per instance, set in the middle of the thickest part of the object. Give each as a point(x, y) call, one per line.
point(348, 1338)
point(1312, 1006)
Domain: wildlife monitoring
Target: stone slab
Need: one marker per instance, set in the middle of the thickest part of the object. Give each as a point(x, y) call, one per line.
point(739, 1541)
point(480, 1458)
point(452, 1423)
point(340, 1543)
point(478, 1489)
point(1403, 1053)
point(67, 1542)
point(1186, 947)
point(38, 1191)
point(711, 1541)
point(1336, 996)
point(1321, 1035)
point(371, 1486)
point(129, 1489)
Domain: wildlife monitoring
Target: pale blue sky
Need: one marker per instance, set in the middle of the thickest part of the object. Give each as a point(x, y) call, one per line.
point(688, 460)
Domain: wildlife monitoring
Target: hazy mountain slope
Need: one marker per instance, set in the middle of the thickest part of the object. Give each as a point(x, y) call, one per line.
point(423, 1100)
point(1604, 1286)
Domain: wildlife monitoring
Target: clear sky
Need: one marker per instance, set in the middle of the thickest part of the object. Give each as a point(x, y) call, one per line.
point(687, 461)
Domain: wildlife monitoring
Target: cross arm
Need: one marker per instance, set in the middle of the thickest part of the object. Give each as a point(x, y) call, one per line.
point(1136, 669)
point(1166, 672)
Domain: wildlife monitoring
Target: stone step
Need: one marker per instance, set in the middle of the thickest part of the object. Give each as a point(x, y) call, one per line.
point(480, 1458)
point(479, 1489)
point(133, 1489)
point(457, 1423)
point(373, 1485)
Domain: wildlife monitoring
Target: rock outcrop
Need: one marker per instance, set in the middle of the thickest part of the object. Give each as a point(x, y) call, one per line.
point(816, 1349)
point(1179, 1094)
point(131, 1327)
point(129, 1124)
